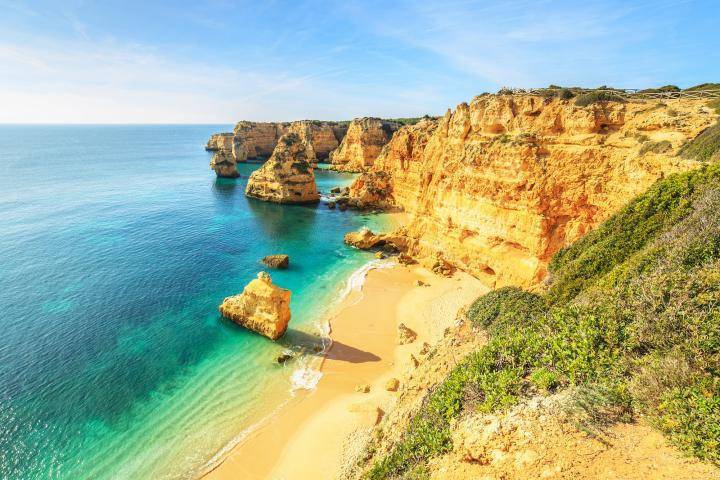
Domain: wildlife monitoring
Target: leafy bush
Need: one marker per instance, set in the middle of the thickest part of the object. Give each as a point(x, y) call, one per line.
point(596, 97)
point(715, 105)
point(704, 86)
point(508, 305)
point(666, 88)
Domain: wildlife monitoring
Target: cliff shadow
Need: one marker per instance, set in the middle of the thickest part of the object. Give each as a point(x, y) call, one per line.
point(282, 220)
point(224, 188)
point(338, 351)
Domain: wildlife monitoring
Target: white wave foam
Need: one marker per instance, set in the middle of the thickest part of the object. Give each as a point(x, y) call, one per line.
point(356, 281)
point(305, 378)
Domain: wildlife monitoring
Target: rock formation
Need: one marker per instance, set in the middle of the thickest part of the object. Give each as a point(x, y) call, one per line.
point(499, 185)
point(287, 177)
point(222, 161)
point(280, 261)
point(365, 239)
point(362, 144)
point(262, 307)
point(259, 139)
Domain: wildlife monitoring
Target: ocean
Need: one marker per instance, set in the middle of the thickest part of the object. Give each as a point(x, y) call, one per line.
point(117, 244)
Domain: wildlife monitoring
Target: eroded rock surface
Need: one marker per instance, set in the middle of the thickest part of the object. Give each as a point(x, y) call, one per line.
point(362, 144)
point(262, 307)
point(501, 184)
point(287, 177)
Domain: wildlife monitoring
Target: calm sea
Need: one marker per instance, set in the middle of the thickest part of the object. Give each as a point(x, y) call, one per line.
point(117, 244)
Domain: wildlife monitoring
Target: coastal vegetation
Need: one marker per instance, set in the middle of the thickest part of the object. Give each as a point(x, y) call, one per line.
point(629, 323)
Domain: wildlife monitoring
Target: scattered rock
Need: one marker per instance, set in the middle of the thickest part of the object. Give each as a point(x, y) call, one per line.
point(406, 259)
point(284, 357)
point(331, 205)
point(262, 307)
point(342, 206)
point(414, 361)
point(335, 190)
point(420, 283)
point(405, 335)
point(280, 261)
point(364, 388)
point(443, 267)
point(379, 255)
point(425, 348)
point(392, 385)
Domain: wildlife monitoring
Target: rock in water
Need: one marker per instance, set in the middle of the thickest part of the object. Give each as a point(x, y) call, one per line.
point(262, 307)
point(362, 239)
point(222, 161)
point(277, 261)
point(287, 177)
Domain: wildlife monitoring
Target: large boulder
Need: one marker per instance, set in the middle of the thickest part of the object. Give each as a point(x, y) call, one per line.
point(287, 177)
point(280, 261)
point(262, 307)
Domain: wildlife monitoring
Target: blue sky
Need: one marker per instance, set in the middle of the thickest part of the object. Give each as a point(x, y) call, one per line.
point(220, 61)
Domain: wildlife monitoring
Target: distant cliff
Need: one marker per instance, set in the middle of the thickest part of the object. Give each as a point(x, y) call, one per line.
point(362, 144)
point(501, 184)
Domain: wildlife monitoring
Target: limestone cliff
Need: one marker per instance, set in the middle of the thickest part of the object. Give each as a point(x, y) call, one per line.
point(362, 144)
point(222, 161)
point(262, 307)
point(287, 177)
point(499, 185)
point(320, 138)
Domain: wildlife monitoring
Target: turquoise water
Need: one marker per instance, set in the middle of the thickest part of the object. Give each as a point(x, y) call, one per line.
point(117, 243)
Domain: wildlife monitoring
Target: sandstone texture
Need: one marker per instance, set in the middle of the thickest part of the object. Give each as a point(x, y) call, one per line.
point(287, 177)
point(258, 140)
point(262, 307)
point(362, 144)
point(500, 184)
point(280, 261)
point(222, 160)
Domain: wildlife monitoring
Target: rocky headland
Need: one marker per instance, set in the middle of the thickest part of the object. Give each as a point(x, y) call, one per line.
point(261, 307)
point(287, 176)
point(502, 183)
point(362, 144)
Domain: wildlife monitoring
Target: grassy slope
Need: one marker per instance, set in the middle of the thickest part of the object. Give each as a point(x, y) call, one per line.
point(632, 317)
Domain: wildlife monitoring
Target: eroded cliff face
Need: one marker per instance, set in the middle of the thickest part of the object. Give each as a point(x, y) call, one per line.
point(362, 144)
point(320, 138)
point(287, 176)
point(498, 186)
point(222, 160)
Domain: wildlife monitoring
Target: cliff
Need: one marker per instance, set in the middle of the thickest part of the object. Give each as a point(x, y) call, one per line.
point(362, 144)
point(259, 139)
point(287, 176)
point(262, 307)
point(500, 184)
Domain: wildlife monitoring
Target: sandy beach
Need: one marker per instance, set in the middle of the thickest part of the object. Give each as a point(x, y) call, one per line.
point(306, 438)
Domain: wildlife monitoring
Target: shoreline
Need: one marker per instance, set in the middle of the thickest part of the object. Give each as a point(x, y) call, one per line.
point(364, 352)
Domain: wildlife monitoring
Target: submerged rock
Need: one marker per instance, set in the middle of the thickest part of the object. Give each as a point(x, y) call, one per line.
point(262, 307)
point(279, 261)
point(287, 177)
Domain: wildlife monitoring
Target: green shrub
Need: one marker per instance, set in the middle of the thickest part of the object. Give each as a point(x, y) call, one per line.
point(508, 305)
point(704, 86)
point(705, 147)
point(690, 416)
point(715, 105)
point(656, 147)
point(666, 88)
point(596, 97)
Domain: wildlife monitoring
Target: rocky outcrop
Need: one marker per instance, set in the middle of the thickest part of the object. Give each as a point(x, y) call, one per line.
point(259, 139)
point(262, 307)
point(365, 239)
point(500, 184)
point(279, 261)
point(320, 138)
point(362, 144)
point(287, 177)
point(222, 161)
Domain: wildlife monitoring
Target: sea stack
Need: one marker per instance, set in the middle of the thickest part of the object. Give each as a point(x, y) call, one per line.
point(262, 307)
point(223, 161)
point(287, 177)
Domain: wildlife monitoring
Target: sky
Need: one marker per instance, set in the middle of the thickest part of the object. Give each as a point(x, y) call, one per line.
point(219, 61)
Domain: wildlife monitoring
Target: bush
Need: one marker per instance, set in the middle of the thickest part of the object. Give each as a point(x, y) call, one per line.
point(704, 86)
point(506, 306)
point(666, 88)
point(596, 97)
point(705, 147)
point(656, 147)
point(715, 105)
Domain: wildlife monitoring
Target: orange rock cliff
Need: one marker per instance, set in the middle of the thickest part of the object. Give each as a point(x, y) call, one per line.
point(499, 185)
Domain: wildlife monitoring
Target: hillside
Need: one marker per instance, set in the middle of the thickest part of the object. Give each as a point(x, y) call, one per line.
point(627, 331)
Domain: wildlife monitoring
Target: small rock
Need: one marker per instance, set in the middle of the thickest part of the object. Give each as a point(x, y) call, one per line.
point(406, 259)
point(331, 205)
point(343, 207)
point(335, 190)
point(405, 335)
point(277, 261)
point(364, 388)
point(425, 348)
point(379, 255)
point(414, 361)
point(420, 283)
point(392, 385)
point(284, 357)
